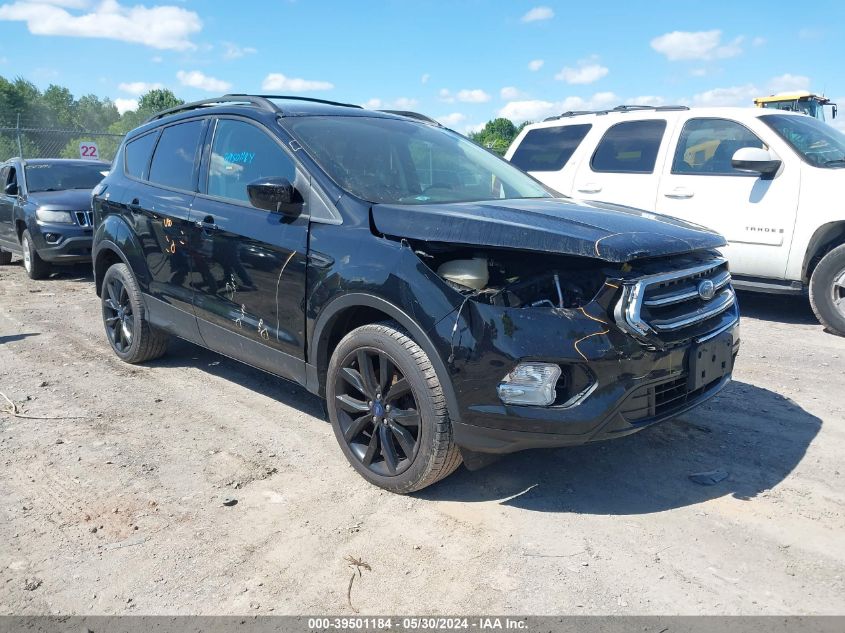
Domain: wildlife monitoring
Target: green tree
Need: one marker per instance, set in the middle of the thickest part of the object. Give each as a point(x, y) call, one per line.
point(60, 107)
point(496, 135)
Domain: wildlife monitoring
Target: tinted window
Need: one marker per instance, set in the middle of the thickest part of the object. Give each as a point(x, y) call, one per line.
point(63, 176)
point(240, 154)
point(629, 147)
point(818, 143)
point(173, 161)
point(549, 149)
point(137, 155)
point(706, 146)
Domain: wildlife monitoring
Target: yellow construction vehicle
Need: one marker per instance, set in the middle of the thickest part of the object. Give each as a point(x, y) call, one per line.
point(799, 101)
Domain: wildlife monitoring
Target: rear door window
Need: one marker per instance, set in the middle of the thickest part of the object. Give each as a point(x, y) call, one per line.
point(175, 155)
point(630, 147)
point(549, 148)
point(707, 146)
point(137, 155)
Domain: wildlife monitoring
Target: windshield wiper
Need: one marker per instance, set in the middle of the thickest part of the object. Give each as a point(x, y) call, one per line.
point(835, 161)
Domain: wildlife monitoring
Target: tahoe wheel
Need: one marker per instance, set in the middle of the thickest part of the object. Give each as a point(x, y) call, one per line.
point(131, 336)
point(388, 410)
point(35, 267)
point(827, 290)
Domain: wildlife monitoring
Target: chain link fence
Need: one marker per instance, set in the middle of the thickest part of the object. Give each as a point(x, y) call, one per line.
point(34, 142)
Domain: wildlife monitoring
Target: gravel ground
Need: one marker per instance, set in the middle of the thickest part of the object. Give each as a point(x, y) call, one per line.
point(113, 490)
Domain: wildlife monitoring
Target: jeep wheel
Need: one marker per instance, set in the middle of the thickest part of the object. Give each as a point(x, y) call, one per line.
point(131, 336)
point(35, 267)
point(388, 410)
point(827, 290)
point(5, 257)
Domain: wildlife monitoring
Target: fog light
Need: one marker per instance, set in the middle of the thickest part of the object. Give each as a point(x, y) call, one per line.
point(52, 238)
point(530, 383)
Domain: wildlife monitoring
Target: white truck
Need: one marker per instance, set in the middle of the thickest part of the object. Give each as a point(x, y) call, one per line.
point(770, 181)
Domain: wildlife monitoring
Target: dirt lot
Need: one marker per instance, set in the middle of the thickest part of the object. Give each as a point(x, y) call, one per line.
point(116, 506)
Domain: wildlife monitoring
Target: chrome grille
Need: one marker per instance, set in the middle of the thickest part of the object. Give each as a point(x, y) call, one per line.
point(84, 218)
point(673, 307)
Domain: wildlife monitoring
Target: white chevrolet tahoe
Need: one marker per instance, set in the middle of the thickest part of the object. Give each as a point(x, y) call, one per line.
point(772, 182)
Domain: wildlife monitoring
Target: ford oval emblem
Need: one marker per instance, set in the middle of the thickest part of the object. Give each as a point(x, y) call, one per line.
point(706, 289)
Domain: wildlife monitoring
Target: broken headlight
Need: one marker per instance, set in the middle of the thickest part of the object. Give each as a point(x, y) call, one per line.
point(530, 384)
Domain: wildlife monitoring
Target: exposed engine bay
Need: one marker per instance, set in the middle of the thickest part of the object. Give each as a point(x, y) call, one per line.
point(517, 279)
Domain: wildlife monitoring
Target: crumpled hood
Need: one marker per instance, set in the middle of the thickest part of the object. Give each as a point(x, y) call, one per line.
point(590, 229)
point(69, 200)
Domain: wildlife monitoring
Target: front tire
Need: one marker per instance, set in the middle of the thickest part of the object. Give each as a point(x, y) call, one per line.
point(827, 290)
point(388, 411)
point(129, 332)
point(35, 267)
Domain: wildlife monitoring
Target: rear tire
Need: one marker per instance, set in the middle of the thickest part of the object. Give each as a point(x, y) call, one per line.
point(827, 290)
point(35, 267)
point(388, 411)
point(5, 257)
point(129, 332)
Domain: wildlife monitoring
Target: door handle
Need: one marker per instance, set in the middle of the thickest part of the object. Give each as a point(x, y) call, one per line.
point(590, 187)
point(679, 193)
point(206, 224)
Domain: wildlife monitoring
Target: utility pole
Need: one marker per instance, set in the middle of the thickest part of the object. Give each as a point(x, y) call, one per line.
point(20, 147)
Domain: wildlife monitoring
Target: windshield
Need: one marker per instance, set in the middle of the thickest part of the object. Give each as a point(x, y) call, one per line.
point(818, 143)
point(61, 176)
point(403, 162)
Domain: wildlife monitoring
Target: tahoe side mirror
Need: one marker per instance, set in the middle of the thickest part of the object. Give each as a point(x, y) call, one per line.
point(276, 195)
point(11, 189)
point(755, 159)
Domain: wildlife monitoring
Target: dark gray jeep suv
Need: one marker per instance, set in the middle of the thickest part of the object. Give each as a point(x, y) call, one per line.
point(447, 305)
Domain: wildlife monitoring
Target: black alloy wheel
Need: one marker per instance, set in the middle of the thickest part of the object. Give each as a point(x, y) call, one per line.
point(377, 412)
point(118, 316)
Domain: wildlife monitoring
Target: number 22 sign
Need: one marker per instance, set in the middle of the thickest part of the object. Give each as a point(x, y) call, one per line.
point(88, 149)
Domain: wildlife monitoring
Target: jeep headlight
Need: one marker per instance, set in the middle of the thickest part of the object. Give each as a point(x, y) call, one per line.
point(54, 217)
point(531, 384)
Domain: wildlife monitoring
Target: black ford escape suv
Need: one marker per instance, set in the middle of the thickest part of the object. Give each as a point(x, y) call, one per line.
point(445, 304)
point(45, 211)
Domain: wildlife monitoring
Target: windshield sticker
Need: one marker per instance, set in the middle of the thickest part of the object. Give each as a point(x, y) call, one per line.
point(244, 158)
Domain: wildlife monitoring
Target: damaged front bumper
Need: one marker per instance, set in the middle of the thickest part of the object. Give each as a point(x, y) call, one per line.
point(611, 384)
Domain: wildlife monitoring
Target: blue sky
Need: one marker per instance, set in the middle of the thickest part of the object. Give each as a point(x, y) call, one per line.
point(463, 61)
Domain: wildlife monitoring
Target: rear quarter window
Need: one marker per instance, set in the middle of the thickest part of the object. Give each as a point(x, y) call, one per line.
point(175, 155)
point(550, 148)
point(137, 155)
point(630, 147)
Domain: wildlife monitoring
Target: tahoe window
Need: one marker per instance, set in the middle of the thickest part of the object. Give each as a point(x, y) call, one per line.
point(629, 147)
point(549, 148)
point(173, 161)
point(240, 154)
point(816, 142)
point(706, 147)
point(387, 160)
point(137, 155)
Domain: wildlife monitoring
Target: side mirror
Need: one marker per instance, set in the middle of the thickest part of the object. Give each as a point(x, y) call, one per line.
point(11, 189)
point(755, 159)
point(833, 111)
point(276, 195)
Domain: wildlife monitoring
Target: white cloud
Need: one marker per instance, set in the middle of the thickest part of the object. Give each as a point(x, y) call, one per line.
point(196, 79)
point(734, 96)
point(758, 41)
point(125, 105)
point(587, 71)
point(401, 103)
point(510, 93)
point(646, 100)
point(138, 87)
point(373, 104)
point(404, 103)
point(163, 27)
point(698, 72)
point(538, 14)
point(445, 96)
point(424, 79)
point(233, 51)
point(476, 127)
point(685, 45)
point(789, 82)
point(536, 109)
point(452, 120)
point(473, 96)
point(157, 59)
point(277, 81)
point(535, 64)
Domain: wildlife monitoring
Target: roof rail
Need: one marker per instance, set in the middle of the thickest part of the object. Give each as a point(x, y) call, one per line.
point(262, 101)
point(413, 115)
point(619, 108)
point(204, 103)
